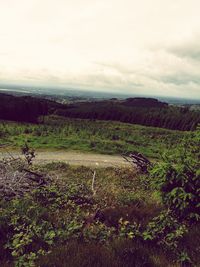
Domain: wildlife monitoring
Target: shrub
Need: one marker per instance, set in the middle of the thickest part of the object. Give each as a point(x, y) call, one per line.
point(178, 179)
point(35, 222)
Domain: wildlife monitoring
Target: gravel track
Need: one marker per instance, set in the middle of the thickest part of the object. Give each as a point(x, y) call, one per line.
point(75, 158)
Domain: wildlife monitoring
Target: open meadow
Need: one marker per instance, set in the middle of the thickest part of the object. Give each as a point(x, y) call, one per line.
point(106, 137)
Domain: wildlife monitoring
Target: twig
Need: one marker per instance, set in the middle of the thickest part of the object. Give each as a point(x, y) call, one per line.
point(34, 173)
point(93, 180)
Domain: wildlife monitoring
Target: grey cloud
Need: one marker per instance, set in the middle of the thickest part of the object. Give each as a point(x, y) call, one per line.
point(190, 49)
point(114, 66)
point(124, 72)
point(175, 81)
point(180, 79)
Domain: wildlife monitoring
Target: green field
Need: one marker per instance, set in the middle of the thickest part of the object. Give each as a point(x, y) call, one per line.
point(104, 137)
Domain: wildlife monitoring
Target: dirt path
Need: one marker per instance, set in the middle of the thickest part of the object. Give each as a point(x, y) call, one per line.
point(76, 158)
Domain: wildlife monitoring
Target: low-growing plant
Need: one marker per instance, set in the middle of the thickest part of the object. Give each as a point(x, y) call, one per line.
point(37, 221)
point(98, 232)
point(129, 230)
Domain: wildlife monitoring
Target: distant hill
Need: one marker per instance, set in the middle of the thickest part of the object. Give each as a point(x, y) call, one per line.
point(25, 108)
point(144, 111)
point(144, 102)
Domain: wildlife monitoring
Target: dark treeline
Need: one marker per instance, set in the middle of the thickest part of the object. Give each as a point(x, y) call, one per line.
point(26, 108)
point(144, 111)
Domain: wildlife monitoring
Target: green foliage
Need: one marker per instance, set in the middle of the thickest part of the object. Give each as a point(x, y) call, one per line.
point(178, 179)
point(35, 222)
point(165, 229)
point(129, 230)
point(33, 226)
point(99, 233)
point(169, 232)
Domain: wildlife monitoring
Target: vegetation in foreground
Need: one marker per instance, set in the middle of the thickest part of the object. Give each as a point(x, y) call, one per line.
point(90, 136)
point(129, 220)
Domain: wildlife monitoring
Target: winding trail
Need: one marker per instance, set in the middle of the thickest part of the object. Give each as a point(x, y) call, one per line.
point(75, 158)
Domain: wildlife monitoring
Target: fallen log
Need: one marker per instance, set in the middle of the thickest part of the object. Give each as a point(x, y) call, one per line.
point(138, 160)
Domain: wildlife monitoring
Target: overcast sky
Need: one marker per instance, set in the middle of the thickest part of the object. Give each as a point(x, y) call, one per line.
point(135, 46)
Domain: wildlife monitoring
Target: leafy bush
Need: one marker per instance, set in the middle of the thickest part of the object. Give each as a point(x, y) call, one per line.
point(178, 179)
point(98, 232)
point(34, 223)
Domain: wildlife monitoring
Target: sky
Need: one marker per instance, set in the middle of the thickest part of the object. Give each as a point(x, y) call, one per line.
point(126, 46)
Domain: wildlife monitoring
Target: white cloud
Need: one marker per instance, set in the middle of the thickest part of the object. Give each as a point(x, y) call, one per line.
point(133, 46)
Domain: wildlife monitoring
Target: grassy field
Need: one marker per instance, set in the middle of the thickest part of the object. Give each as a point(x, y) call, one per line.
point(90, 136)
